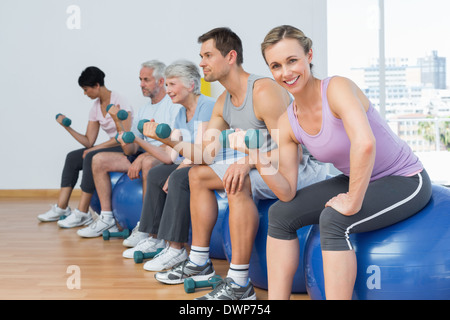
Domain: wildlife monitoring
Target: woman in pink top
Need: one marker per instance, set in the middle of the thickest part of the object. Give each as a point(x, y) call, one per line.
point(382, 181)
point(91, 81)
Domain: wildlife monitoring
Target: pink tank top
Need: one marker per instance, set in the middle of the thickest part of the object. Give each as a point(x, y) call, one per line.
point(332, 145)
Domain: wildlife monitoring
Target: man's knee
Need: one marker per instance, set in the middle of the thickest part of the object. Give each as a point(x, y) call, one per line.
point(99, 161)
point(197, 175)
point(109, 161)
point(245, 190)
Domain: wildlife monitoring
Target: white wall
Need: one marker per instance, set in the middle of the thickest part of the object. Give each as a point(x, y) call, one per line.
point(41, 59)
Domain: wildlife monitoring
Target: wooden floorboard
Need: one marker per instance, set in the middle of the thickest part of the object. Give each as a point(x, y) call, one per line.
point(35, 259)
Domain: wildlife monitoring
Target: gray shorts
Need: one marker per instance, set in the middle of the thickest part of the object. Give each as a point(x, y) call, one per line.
point(309, 171)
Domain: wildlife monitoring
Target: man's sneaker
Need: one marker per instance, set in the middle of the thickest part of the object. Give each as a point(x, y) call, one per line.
point(96, 228)
point(148, 245)
point(135, 237)
point(166, 259)
point(229, 290)
point(186, 269)
point(54, 214)
point(76, 219)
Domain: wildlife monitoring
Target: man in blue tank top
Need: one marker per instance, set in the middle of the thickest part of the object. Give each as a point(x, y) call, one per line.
point(248, 102)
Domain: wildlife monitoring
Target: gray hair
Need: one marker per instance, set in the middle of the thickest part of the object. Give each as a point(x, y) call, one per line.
point(187, 72)
point(157, 66)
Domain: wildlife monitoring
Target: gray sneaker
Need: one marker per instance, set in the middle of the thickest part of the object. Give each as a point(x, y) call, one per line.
point(229, 290)
point(186, 269)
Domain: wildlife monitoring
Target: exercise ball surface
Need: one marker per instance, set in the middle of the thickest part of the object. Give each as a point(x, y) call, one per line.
point(258, 261)
point(127, 201)
point(409, 260)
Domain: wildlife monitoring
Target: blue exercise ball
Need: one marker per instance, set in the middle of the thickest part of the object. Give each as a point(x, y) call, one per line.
point(216, 249)
point(127, 201)
point(409, 260)
point(258, 261)
point(95, 201)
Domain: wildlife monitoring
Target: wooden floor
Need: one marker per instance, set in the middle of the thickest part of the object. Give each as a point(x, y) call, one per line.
point(36, 260)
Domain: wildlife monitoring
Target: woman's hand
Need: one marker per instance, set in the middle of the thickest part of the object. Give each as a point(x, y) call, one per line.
point(344, 204)
point(113, 110)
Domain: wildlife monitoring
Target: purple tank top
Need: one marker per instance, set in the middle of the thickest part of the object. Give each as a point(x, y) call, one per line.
point(332, 145)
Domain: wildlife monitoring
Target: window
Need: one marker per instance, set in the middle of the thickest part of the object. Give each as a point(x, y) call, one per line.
point(416, 51)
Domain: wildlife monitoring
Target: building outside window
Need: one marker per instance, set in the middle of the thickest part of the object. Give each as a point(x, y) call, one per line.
point(416, 100)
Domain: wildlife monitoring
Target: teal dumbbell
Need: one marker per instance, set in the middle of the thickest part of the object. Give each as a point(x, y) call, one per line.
point(224, 137)
point(163, 130)
point(127, 137)
point(122, 114)
point(141, 125)
point(254, 139)
point(125, 233)
point(190, 284)
point(66, 121)
point(139, 256)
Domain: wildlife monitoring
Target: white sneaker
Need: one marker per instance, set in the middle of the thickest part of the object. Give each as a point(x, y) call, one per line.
point(166, 259)
point(96, 228)
point(146, 245)
point(54, 214)
point(135, 237)
point(76, 219)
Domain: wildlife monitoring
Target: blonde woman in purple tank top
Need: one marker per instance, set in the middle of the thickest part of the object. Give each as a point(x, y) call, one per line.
point(382, 181)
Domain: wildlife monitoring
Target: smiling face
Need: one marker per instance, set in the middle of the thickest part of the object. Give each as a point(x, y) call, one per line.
point(289, 64)
point(176, 90)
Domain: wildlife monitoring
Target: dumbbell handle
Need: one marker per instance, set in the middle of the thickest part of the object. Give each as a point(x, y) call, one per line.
point(139, 256)
point(121, 234)
point(190, 284)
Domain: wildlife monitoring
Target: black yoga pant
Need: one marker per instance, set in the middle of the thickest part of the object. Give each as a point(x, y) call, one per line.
point(167, 215)
point(387, 201)
point(75, 163)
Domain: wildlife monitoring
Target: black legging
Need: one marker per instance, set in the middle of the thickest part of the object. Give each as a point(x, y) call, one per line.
point(387, 201)
point(167, 214)
point(75, 163)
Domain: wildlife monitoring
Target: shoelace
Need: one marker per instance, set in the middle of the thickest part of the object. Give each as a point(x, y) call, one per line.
point(224, 284)
point(161, 252)
point(181, 265)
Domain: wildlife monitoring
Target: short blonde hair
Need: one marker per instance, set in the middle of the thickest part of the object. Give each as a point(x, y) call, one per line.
point(286, 32)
